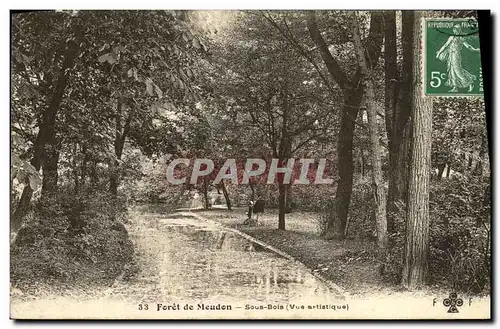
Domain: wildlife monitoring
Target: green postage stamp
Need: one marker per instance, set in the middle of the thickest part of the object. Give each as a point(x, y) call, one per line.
point(452, 59)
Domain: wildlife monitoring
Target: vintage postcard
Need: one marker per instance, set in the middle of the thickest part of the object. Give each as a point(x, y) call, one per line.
point(254, 164)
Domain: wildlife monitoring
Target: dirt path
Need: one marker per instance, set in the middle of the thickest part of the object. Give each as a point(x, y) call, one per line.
point(173, 274)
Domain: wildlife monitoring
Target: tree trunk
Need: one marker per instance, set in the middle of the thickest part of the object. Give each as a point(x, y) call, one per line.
point(391, 96)
point(404, 158)
point(353, 93)
point(337, 221)
point(377, 179)
point(253, 190)
point(205, 193)
point(113, 178)
point(50, 175)
point(281, 206)
point(401, 128)
point(391, 74)
point(288, 198)
point(120, 137)
point(284, 154)
point(417, 218)
point(362, 162)
point(226, 195)
point(46, 129)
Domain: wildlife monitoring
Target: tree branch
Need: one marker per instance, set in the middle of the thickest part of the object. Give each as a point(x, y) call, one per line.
point(305, 53)
point(331, 63)
point(375, 39)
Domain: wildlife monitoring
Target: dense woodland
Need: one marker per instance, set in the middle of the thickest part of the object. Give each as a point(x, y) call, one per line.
point(103, 100)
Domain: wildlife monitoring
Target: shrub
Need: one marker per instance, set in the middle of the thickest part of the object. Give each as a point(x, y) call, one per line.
point(459, 256)
point(459, 250)
point(320, 199)
point(361, 217)
point(460, 233)
point(393, 266)
point(72, 237)
point(219, 200)
point(312, 197)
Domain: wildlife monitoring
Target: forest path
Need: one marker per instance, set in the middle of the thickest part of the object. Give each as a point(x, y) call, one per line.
point(186, 261)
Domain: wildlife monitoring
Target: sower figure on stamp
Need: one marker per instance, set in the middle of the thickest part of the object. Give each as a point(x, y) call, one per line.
point(451, 53)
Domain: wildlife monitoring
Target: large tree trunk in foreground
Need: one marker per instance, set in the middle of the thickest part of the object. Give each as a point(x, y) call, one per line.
point(46, 129)
point(417, 218)
point(377, 179)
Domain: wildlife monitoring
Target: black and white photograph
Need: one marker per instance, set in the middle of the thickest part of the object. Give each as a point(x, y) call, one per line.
point(250, 164)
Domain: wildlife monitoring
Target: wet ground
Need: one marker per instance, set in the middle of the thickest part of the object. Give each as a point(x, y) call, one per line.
point(189, 263)
point(204, 261)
